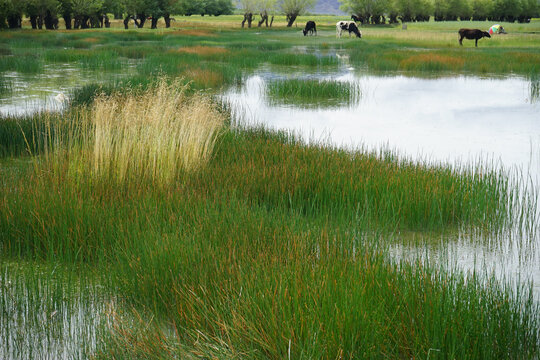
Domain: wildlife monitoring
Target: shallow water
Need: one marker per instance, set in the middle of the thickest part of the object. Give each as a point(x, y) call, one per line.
point(460, 120)
point(35, 92)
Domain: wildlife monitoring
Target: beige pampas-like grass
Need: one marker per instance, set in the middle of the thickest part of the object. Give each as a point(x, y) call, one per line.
point(154, 135)
point(149, 136)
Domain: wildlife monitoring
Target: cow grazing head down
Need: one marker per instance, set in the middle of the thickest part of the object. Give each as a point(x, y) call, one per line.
point(310, 28)
point(349, 26)
point(354, 29)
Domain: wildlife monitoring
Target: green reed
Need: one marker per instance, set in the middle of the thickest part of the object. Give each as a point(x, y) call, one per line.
point(313, 92)
point(67, 310)
point(302, 60)
point(26, 64)
point(6, 85)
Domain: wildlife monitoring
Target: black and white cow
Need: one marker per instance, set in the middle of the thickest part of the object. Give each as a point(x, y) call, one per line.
point(310, 28)
point(350, 26)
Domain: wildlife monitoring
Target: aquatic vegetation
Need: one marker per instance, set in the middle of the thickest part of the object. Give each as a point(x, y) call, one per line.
point(319, 93)
point(28, 64)
point(302, 59)
point(69, 311)
point(203, 51)
point(5, 85)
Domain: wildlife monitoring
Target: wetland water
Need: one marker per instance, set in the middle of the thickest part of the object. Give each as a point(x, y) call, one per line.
point(459, 120)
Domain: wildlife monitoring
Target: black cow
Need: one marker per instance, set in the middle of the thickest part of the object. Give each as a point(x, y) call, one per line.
point(354, 29)
point(471, 34)
point(310, 28)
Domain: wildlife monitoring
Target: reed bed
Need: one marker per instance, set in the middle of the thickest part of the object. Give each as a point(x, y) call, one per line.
point(153, 136)
point(6, 85)
point(302, 60)
point(29, 64)
point(276, 232)
point(304, 92)
point(47, 311)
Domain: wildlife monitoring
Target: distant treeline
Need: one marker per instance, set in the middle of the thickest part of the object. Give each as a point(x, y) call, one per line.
point(83, 14)
point(393, 11)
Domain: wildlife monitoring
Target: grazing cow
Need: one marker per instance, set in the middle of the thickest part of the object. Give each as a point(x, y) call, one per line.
point(354, 29)
point(350, 26)
point(471, 34)
point(310, 28)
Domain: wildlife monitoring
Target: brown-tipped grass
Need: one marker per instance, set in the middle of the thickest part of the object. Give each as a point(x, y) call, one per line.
point(205, 51)
point(205, 78)
point(432, 62)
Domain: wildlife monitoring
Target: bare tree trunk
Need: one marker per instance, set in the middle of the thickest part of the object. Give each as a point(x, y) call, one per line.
point(14, 21)
point(67, 20)
point(154, 22)
point(33, 21)
point(249, 18)
point(167, 18)
point(290, 19)
point(264, 18)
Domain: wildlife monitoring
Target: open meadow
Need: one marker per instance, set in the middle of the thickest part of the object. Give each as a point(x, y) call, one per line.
point(142, 216)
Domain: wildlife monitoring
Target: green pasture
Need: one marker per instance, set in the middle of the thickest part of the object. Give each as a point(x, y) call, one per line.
point(271, 248)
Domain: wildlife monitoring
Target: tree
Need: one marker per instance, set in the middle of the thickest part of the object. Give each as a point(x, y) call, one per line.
point(42, 12)
point(481, 9)
point(506, 10)
point(248, 7)
point(11, 11)
point(65, 9)
point(217, 7)
point(87, 13)
point(293, 8)
point(266, 7)
point(367, 10)
point(529, 9)
point(137, 10)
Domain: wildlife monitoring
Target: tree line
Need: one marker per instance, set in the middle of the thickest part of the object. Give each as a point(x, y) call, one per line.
point(83, 14)
point(393, 11)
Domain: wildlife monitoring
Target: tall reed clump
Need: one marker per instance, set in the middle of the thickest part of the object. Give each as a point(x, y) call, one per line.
point(147, 136)
point(152, 136)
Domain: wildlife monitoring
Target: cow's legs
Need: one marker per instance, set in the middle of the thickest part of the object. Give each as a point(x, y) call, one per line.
point(475, 42)
point(461, 40)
